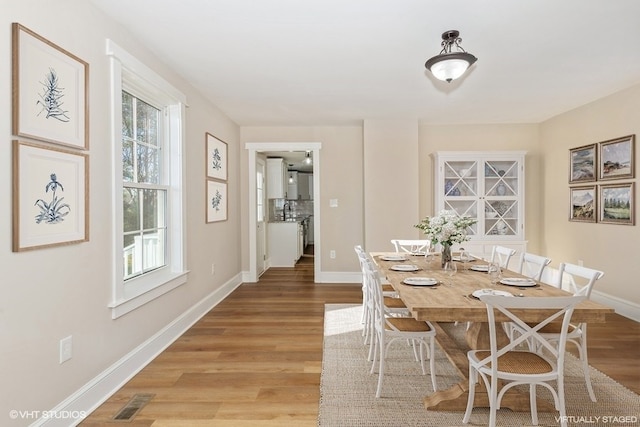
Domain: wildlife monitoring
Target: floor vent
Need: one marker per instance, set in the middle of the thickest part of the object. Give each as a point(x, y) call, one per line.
point(133, 406)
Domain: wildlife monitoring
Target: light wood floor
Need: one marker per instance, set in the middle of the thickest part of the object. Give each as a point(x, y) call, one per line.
point(255, 359)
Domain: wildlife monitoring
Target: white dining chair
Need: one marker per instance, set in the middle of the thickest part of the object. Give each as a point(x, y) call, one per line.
point(388, 329)
point(393, 305)
point(532, 265)
point(508, 366)
point(580, 281)
point(411, 246)
point(502, 255)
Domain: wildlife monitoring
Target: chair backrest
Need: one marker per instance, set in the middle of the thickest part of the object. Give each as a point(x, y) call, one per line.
point(587, 277)
point(502, 256)
point(532, 265)
point(560, 308)
point(411, 246)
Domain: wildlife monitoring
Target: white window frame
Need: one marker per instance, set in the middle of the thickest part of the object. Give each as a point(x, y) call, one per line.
point(128, 73)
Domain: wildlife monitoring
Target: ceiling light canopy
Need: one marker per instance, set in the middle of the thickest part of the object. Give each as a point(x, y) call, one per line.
point(448, 65)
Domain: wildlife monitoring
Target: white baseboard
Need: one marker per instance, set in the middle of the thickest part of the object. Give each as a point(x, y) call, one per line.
point(339, 277)
point(99, 389)
point(624, 308)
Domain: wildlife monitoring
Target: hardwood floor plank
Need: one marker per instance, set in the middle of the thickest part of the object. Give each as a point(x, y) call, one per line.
point(255, 359)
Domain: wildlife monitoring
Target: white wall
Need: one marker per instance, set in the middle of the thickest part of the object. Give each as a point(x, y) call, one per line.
point(48, 294)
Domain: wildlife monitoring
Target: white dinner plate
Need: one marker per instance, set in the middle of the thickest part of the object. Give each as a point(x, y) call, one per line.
point(418, 253)
point(518, 281)
point(481, 292)
point(407, 267)
point(484, 268)
point(457, 258)
point(420, 281)
point(393, 258)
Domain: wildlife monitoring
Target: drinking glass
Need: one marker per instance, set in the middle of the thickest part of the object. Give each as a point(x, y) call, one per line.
point(464, 257)
point(450, 268)
point(494, 273)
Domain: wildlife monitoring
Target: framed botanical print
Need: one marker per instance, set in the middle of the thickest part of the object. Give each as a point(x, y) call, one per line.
point(582, 164)
point(583, 204)
point(50, 91)
point(617, 158)
point(216, 158)
point(216, 201)
point(50, 196)
point(617, 204)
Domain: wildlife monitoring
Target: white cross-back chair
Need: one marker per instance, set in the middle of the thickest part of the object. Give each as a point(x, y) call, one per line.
point(580, 281)
point(393, 304)
point(411, 246)
point(388, 329)
point(501, 256)
point(532, 265)
point(510, 366)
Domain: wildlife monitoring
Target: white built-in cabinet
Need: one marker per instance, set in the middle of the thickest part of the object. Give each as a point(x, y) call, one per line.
point(487, 186)
point(276, 179)
point(292, 185)
point(286, 243)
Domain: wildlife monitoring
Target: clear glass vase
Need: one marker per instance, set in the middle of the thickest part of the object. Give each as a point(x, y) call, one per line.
point(446, 253)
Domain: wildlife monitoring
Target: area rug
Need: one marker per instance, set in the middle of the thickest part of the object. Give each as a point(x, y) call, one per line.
point(347, 390)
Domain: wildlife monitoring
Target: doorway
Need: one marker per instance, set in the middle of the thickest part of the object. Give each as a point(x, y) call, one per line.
point(253, 149)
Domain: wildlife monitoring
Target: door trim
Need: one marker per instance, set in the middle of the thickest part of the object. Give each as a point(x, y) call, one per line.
point(256, 147)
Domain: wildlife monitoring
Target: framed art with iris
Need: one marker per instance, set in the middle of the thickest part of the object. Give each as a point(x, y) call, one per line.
point(50, 196)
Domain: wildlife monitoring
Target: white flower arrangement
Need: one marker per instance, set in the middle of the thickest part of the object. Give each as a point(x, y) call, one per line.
point(446, 228)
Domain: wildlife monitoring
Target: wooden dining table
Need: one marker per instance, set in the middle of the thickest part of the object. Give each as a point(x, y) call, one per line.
point(452, 300)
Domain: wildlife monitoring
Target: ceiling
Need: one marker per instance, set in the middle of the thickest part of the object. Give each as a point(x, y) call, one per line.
point(332, 62)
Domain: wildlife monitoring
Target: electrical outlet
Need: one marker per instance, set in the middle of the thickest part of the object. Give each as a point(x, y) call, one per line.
point(580, 263)
point(66, 348)
point(332, 254)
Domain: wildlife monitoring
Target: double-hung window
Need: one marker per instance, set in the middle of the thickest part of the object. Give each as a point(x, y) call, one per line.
point(149, 236)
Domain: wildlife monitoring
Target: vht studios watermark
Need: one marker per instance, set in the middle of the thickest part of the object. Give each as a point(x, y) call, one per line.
point(600, 420)
point(15, 414)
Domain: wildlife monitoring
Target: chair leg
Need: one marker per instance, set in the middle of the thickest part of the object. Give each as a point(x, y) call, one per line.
point(534, 404)
point(383, 352)
point(432, 363)
point(473, 379)
point(582, 349)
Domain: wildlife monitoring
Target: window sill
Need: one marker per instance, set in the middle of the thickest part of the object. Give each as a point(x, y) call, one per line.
point(141, 292)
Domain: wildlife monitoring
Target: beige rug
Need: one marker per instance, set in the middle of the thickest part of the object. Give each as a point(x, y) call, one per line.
point(347, 391)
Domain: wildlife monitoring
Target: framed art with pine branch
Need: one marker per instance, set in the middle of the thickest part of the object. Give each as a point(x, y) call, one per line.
point(50, 91)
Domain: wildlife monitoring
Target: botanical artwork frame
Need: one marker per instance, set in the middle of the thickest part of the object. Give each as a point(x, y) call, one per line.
point(583, 163)
point(617, 158)
point(617, 204)
point(216, 157)
point(216, 204)
point(583, 204)
point(50, 91)
point(50, 196)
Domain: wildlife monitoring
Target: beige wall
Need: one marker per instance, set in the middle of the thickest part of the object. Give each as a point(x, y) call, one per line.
point(341, 173)
point(486, 137)
point(611, 248)
point(391, 185)
point(48, 294)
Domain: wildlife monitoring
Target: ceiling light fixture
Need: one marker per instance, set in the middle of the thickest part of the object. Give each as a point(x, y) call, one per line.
point(307, 158)
point(447, 65)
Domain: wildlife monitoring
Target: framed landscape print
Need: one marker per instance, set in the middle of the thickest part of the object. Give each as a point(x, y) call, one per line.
point(50, 196)
point(616, 204)
point(616, 158)
point(216, 201)
point(216, 158)
point(583, 204)
point(582, 164)
point(50, 91)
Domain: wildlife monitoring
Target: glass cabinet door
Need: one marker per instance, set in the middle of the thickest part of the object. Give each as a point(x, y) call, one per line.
point(461, 189)
point(501, 198)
